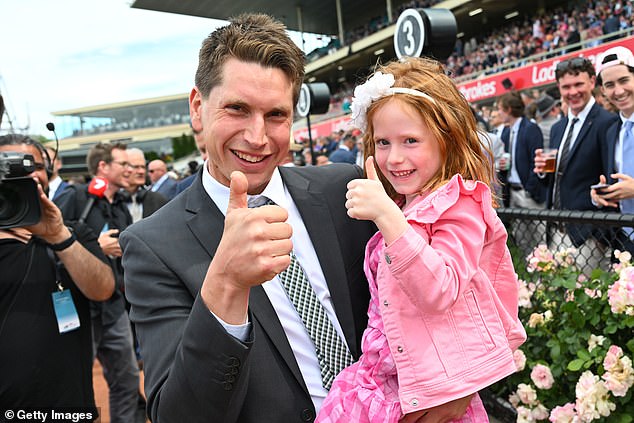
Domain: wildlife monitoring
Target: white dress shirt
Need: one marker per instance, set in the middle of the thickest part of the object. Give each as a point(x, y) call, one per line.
point(53, 185)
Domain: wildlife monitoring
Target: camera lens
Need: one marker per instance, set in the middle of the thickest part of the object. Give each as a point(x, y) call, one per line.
point(19, 203)
point(12, 206)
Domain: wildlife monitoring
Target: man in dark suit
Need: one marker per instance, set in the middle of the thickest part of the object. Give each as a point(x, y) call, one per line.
point(579, 138)
point(520, 141)
point(221, 339)
point(345, 153)
point(141, 202)
point(161, 181)
point(521, 188)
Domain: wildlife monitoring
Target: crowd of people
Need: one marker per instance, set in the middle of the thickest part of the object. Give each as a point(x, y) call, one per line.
point(378, 287)
point(547, 31)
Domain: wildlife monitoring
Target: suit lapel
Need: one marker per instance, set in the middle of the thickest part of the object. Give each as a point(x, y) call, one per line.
point(204, 219)
point(558, 132)
point(313, 207)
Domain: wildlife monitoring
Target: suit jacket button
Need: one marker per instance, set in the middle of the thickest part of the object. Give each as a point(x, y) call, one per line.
point(233, 361)
point(307, 415)
point(414, 402)
point(227, 386)
point(399, 349)
point(388, 259)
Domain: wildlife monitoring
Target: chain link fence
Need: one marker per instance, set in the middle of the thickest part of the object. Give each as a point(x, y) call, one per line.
point(595, 235)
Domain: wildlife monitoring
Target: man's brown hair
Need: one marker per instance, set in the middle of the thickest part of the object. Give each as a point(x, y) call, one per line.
point(253, 38)
point(101, 152)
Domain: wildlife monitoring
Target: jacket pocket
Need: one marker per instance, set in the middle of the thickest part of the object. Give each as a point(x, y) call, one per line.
point(478, 320)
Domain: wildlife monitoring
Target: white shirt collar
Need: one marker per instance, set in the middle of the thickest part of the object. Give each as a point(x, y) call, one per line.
point(53, 185)
point(219, 193)
point(584, 113)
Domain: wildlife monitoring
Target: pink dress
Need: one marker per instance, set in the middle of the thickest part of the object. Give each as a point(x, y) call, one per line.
point(367, 391)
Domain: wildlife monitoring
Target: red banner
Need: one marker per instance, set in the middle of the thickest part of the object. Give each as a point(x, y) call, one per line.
point(531, 76)
point(325, 128)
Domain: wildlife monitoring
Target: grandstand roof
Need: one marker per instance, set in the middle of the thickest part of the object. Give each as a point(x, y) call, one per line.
point(320, 17)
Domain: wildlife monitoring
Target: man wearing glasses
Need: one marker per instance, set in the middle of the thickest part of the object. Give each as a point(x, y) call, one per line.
point(112, 334)
point(141, 201)
point(579, 138)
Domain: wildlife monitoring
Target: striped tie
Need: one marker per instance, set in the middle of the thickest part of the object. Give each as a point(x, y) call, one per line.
point(332, 353)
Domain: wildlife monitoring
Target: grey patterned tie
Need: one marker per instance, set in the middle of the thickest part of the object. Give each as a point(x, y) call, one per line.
point(332, 353)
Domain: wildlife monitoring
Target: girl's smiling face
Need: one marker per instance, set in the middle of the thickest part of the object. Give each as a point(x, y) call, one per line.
point(406, 151)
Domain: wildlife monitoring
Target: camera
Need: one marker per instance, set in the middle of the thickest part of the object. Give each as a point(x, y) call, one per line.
point(19, 198)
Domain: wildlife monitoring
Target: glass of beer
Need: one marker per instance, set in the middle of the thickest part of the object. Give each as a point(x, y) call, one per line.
point(551, 160)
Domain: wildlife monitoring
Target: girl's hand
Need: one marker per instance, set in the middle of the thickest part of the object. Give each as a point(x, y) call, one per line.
point(367, 200)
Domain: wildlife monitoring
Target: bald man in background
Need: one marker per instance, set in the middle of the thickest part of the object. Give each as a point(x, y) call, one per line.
point(161, 181)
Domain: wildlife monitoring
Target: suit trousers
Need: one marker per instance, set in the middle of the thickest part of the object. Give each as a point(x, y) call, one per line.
point(113, 347)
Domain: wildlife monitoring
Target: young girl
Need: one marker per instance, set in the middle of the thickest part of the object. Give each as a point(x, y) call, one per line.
point(443, 316)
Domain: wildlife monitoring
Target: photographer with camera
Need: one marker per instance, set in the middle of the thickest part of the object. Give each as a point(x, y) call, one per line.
point(49, 272)
point(102, 206)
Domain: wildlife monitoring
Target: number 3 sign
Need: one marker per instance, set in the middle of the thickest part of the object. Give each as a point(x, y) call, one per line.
point(429, 31)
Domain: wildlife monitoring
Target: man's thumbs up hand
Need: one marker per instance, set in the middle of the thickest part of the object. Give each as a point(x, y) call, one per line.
point(237, 191)
point(255, 243)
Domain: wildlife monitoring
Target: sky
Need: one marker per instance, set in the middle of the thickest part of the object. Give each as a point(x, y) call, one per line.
point(64, 54)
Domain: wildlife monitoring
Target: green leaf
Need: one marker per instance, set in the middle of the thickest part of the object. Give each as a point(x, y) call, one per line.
point(570, 283)
point(584, 355)
point(555, 351)
point(575, 365)
point(630, 345)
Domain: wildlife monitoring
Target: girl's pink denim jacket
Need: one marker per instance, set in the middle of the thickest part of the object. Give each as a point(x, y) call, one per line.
point(450, 312)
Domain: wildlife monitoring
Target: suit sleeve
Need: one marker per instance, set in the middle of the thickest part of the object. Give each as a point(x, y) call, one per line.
point(195, 371)
point(535, 141)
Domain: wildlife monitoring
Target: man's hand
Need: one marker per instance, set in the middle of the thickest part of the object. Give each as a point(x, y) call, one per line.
point(367, 200)
point(616, 192)
point(51, 227)
point(452, 410)
point(255, 246)
point(540, 161)
point(109, 243)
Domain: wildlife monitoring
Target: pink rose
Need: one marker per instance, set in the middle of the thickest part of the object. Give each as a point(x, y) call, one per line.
point(563, 414)
point(542, 377)
point(520, 360)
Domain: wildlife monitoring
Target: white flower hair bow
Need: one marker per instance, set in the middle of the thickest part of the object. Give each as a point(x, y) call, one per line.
point(379, 85)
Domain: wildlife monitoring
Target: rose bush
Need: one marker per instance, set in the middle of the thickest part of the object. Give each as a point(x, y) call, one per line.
point(576, 363)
